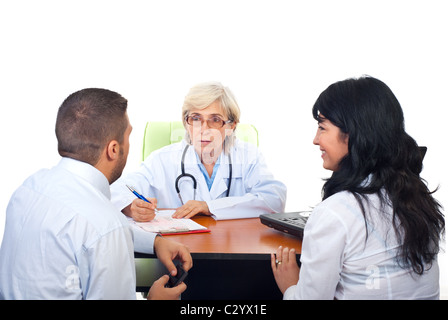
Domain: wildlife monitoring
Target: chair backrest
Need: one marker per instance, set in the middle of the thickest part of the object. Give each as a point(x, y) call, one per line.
point(162, 133)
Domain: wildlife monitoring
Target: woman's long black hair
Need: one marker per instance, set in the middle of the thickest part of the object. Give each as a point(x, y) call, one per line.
point(384, 155)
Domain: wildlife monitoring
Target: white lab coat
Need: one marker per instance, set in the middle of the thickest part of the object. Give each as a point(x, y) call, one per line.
point(253, 189)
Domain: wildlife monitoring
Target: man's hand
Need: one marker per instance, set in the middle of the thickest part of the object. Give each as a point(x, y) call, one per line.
point(168, 250)
point(159, 292)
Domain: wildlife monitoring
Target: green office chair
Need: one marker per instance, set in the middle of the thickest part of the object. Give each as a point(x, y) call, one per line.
point(162, 133)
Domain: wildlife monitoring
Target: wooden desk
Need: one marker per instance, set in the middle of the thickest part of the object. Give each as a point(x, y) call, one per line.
point(230, 262)
point(239, 236)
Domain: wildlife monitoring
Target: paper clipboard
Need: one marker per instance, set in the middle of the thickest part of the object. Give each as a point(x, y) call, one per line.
point(164, 224)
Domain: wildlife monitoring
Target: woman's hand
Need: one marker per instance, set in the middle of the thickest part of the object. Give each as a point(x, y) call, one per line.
point(192, 208)
point(285, 268)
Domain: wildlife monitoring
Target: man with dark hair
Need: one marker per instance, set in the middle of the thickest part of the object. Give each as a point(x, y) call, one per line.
point(63, 238)
point(87, 120)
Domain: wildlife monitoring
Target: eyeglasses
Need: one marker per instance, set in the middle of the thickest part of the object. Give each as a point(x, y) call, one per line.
point(214, 122)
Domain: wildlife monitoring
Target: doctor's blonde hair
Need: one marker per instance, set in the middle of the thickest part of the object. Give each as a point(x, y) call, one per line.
point(204, 94)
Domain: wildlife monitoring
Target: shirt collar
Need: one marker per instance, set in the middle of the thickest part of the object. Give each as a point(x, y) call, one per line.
point(87, 172)
point(209, 179)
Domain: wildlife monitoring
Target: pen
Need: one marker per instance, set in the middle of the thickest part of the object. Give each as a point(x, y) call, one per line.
point(138, 195)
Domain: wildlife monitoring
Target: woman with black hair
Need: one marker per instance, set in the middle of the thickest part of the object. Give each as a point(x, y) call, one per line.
point(376, 233)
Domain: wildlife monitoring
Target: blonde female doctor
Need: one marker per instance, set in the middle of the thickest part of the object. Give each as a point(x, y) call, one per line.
point(210, 172)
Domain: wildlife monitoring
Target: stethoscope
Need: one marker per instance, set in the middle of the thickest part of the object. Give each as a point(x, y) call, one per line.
point(195, 184)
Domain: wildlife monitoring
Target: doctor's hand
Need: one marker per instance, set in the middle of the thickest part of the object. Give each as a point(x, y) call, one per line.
point(141, 211)
point(192, 208)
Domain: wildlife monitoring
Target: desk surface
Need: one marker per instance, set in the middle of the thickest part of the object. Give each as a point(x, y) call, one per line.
point(239, 236)
point(238, 251)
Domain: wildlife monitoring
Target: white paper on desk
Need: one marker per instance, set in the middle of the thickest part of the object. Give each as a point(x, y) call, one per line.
point(164, 223)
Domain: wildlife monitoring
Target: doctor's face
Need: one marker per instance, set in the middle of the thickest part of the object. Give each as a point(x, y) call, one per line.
point(208, 128)
point(332, 142)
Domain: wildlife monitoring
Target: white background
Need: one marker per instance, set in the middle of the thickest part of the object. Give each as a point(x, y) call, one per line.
point(276, 56)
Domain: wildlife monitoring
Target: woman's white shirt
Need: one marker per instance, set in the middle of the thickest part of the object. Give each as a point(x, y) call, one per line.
point(338, 262)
